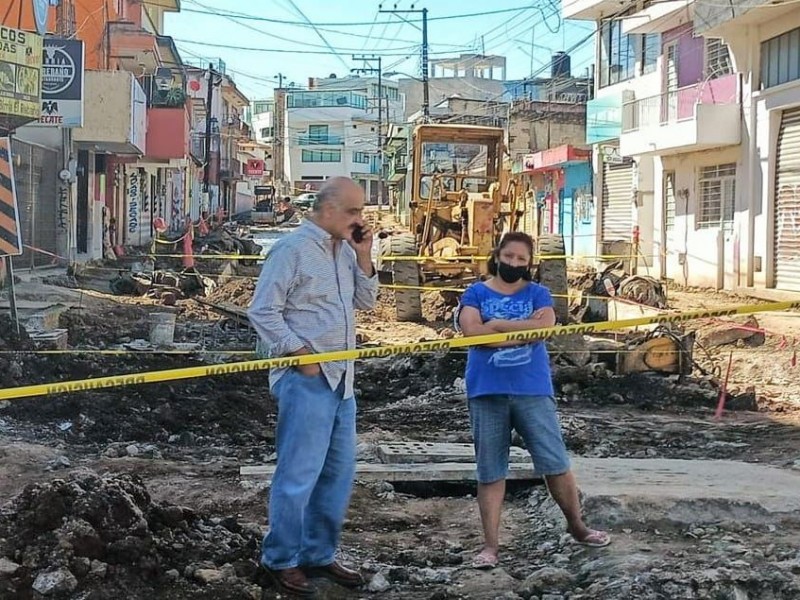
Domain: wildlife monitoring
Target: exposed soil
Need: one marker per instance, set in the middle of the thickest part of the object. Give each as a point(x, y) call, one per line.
point(134, 492)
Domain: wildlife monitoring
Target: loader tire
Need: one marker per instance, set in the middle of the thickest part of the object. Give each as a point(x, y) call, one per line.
point(408, 304)
point(552, 274)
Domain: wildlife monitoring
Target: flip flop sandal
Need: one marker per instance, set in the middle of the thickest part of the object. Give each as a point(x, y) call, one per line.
point(484, 562)
point(595, 539)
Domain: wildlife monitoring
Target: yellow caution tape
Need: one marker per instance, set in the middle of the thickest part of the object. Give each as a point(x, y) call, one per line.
point(539, 256)
point(212, 256)
point(378, 352)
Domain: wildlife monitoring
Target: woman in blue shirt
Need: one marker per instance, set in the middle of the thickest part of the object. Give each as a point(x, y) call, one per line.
point(509, 387)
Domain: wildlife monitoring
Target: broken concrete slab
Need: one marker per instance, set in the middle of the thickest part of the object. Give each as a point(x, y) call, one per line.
point(45, 319)
point(662, 480)
point(432, 452)
point(56, 339)
point(407, 472)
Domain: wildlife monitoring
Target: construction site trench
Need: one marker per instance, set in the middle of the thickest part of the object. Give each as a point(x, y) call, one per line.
point(144, 491)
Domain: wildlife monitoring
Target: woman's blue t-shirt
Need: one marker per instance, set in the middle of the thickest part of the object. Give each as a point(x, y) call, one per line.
point(516, 370)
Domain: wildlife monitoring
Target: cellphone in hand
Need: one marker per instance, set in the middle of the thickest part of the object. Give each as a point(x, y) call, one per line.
point(358, 234)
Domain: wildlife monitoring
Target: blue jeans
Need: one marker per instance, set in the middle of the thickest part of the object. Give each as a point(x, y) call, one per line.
point(316, 447)
point(534, 418)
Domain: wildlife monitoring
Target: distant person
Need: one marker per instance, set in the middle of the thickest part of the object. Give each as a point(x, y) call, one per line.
point(286, 212)
point(509, 387)
point(312, 281)
point(202, 225)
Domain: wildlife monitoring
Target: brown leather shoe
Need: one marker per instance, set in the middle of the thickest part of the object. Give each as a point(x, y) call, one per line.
point(337, 573)
point(292, 581)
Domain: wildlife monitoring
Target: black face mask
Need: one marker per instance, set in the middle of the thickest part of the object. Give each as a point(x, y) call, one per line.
point(511, 274)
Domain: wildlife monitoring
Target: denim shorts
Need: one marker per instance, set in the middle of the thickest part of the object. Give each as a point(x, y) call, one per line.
point(533, 417)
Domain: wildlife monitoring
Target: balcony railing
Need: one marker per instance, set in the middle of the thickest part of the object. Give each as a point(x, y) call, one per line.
point(399, 162)
point(679, 105)
point(305, 139)
point(230, 168)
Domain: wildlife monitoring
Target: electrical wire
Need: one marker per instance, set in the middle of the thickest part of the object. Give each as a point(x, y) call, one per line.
point(362, 23)
point(241, 23)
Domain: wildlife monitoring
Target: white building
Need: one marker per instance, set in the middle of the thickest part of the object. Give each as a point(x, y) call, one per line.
point(332, 130)
point(686, 130)
point(262, 120)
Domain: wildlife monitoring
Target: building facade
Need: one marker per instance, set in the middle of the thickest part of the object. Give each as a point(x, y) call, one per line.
point(130, 160)
point(693, 126)
point(331, 130)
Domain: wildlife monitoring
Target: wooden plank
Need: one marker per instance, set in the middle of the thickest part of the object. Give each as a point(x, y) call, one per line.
point(407, 472)
point(433, 452)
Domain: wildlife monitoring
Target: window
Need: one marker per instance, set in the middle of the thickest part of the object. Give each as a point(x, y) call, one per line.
point(262, 107)
point(389, 93)
point(320, 99)
point(669, 200)
point(780, 59)
point(326, 156)
point(317, 134)
point(651, 49)
point(361, 158)
point(617, 54)
point(717, 195)
point(718, 59)
point(266, 132)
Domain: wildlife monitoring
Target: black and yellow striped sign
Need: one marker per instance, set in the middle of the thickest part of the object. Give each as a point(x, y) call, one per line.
point(10, 238)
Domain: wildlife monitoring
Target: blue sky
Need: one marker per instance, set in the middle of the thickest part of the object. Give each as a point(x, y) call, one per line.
point(205, 28)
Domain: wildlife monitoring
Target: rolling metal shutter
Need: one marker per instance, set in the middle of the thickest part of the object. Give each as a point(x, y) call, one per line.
point(617, 202)
point(787, 203)
point(35, 174)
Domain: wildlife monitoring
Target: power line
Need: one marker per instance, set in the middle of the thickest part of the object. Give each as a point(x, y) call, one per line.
point(392, 53)
point(357, 24)
point(239, 21)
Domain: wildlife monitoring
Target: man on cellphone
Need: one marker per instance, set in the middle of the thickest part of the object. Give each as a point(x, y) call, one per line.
point(311, 283)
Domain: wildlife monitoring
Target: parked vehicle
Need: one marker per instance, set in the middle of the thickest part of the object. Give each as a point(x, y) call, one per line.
point(305, 201)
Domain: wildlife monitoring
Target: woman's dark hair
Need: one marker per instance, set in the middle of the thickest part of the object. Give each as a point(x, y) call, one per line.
point(511, 236)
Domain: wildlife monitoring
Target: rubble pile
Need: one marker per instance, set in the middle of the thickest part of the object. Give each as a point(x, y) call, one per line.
point(656, 557)
point(10, 338)
point(228, 414)
point(614, 282)
point(103, 537)
point(161, 284)
point(439, 306)
point(237, 291)
point(88, 328)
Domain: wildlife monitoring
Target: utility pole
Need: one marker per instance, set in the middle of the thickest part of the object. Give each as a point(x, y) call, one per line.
point(65, 26)
point(280, 80)
point(379, 71)
point(207, 165)
point(426, 106)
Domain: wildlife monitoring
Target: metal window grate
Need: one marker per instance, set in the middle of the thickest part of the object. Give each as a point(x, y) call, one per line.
point(717, 196)
point(718, 59)
point(669, 200)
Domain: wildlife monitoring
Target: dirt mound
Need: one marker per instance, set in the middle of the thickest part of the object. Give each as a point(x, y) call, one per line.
point(230, 410)
point(9, 338)
point(105, 538)
point(102, 328)
point(439, 306)
point(236, 291)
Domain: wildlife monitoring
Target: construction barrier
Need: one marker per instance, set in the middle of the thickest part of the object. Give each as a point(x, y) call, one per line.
point(10, 234)
point(379, 352)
